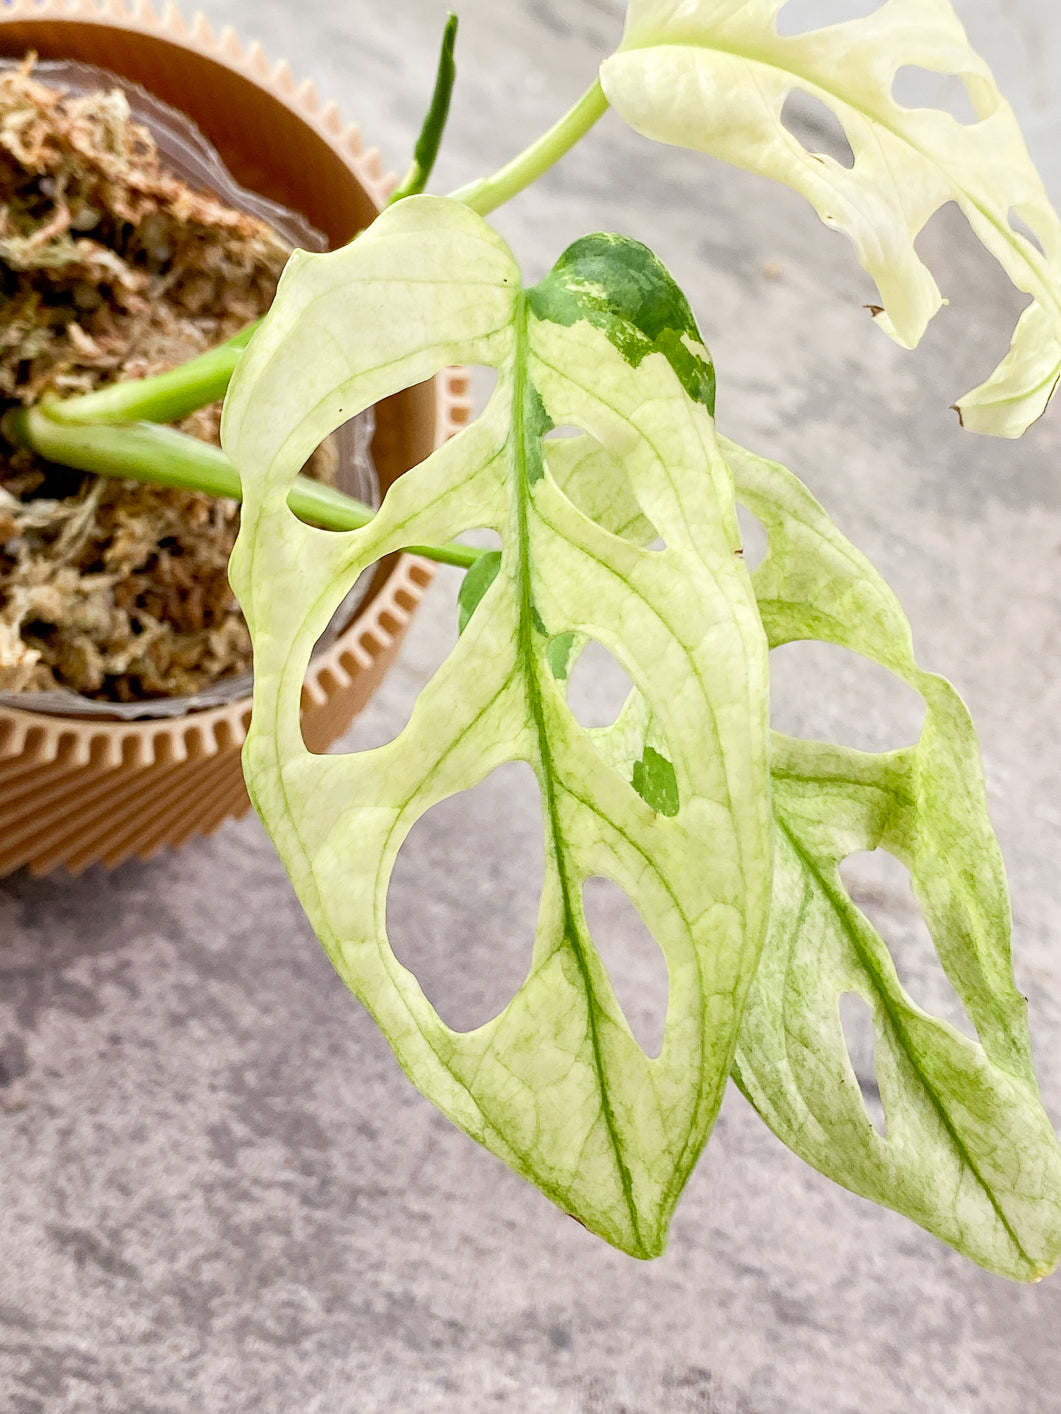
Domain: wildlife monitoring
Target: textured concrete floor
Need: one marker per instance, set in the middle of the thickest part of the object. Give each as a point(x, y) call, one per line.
point(217, 1192)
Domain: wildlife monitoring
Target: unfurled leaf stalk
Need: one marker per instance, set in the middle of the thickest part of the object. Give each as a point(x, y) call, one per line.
point(430, 139)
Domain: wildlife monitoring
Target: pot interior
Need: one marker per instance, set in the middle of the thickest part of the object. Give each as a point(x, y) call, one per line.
point(268, 148)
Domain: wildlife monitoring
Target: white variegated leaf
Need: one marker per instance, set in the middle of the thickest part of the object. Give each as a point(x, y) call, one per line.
point(556, 1083)
point(715, 74)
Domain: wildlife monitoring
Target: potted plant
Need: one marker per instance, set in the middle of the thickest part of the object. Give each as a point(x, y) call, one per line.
point(726, 837)
point(76, 789)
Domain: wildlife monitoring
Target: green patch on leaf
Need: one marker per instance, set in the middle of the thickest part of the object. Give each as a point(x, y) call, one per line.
point(655, 782)
point(559, 654)
point(475, 584)
point(619, 286)
point(536, 423)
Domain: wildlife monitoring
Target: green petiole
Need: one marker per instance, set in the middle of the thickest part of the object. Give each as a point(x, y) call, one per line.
point(165, 397)
point(162, 456)
point(489, 193)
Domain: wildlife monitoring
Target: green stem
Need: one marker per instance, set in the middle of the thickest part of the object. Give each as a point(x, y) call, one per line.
point(116, 431)
point(489, 193)
point(171, 396)
point(166, 397)
point(162, 456)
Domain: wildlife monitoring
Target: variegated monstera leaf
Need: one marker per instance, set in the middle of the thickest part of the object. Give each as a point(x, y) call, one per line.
point(967, 1150)
point(714, 75)
point(556, 1084)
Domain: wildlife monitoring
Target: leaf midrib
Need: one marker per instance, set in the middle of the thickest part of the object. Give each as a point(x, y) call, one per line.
point(842, 907)
point(1042, 281)
point(528, 661)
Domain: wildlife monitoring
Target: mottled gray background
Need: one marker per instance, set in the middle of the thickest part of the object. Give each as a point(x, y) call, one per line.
point(217, 1192)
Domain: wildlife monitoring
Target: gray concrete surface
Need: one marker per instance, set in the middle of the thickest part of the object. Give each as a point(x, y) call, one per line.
point(218, 1193)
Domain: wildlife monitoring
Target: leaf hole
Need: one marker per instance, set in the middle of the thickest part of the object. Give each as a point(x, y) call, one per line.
point(558, 434)
point(344, 462)
point(598, 686)
point(856, 1021)
point(914, 88)
point(880, 887)
point(754, 539)
point(816, 127)
point(470, 870)
point(358, 641)
point(802, 16)
point(482, 382)
point(368, 628)
point(823, 692)
point(1018, 224)
point(634, 960)
point(368, 452)
point(596, 484)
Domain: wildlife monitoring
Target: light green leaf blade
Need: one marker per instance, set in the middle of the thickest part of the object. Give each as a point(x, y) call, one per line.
point(714, 75)
point(555, 1085)
point(968, 1151)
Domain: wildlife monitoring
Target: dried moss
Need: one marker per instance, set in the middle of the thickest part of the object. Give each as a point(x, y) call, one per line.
point(111, 267)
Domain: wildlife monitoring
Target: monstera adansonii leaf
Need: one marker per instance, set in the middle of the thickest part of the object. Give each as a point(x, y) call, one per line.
point(714, 75)
point(556, 1084)
point(968, 1151)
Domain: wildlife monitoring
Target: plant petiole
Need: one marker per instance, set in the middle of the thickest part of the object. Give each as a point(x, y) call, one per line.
point(162, 456)
point(488, 193)
point(164, 397)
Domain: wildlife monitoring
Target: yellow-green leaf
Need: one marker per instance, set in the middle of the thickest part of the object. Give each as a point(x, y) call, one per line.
point(968, 1151)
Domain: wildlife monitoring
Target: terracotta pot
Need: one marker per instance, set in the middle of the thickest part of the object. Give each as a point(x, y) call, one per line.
point(75, 791)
